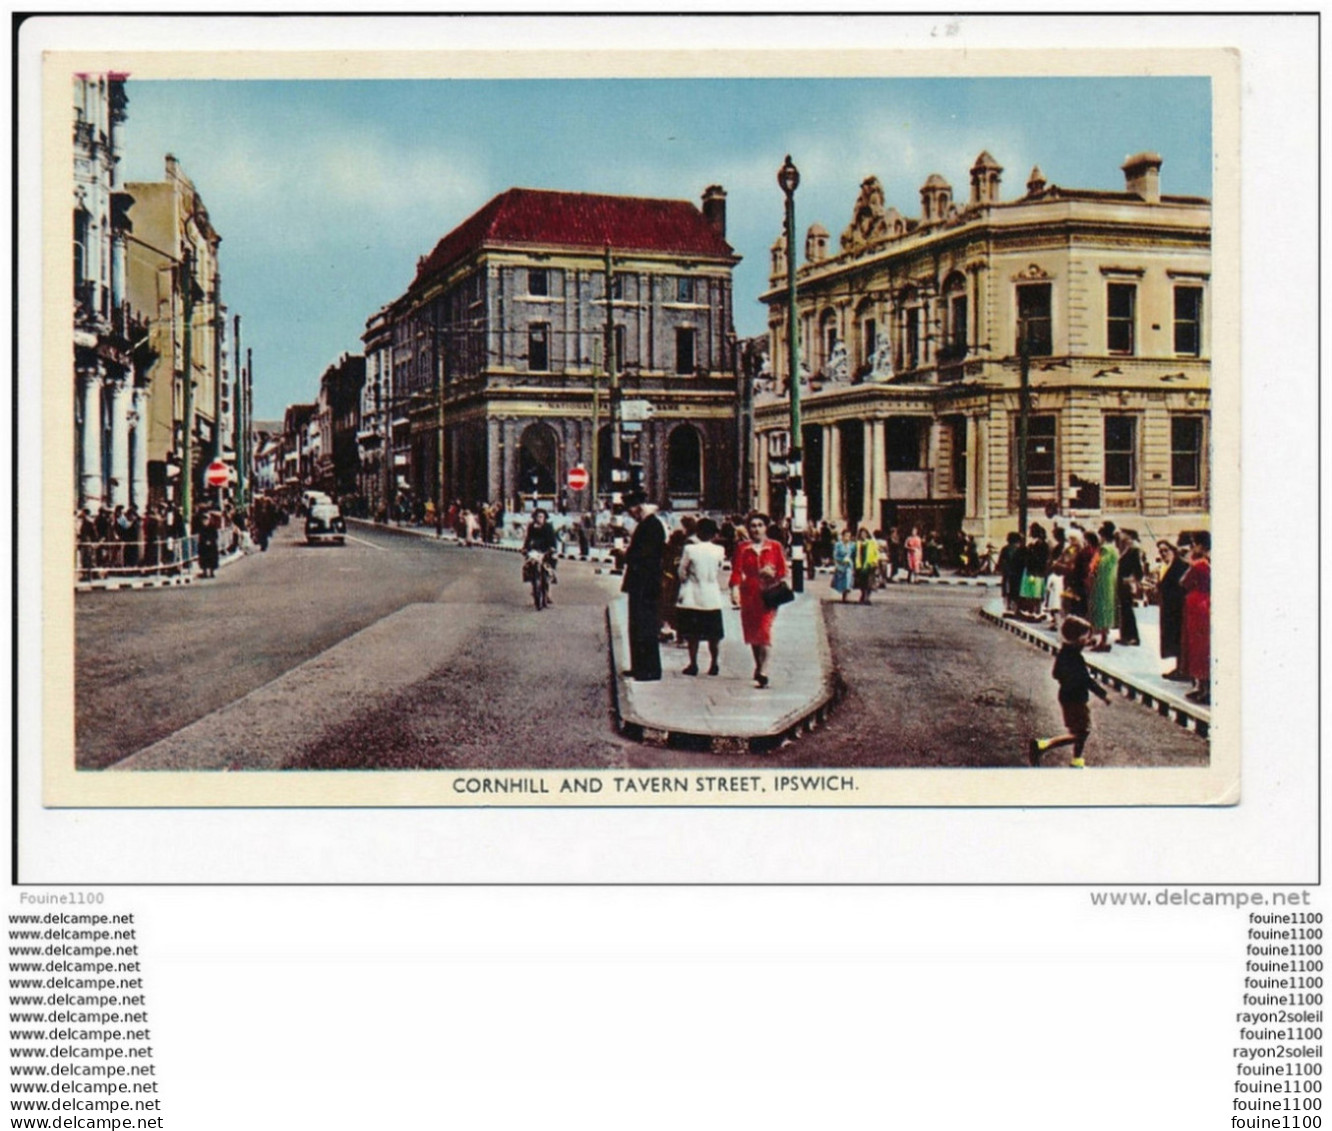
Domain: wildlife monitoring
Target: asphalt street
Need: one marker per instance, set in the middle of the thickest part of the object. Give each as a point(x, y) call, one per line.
point(395, 652)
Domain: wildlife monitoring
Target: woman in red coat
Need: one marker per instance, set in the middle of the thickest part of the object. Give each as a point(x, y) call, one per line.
point(1195, 642)
point(758, 563)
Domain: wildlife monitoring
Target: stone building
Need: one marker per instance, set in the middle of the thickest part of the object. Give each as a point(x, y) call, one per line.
point(499, 345)
point(337, 414)
point(174, 277)
point(910, 351)
point(110, 351)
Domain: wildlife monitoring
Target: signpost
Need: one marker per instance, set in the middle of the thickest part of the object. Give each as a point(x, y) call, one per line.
point(577, 478)
point(218, 474)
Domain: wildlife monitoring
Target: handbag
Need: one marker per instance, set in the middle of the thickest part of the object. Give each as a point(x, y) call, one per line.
point(776, 595)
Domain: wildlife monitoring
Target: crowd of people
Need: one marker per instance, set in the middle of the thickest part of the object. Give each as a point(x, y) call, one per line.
point(1101, 576)
point(676, 588)
point(122, 542)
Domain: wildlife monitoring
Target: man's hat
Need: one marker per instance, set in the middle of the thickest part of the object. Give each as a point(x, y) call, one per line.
point(635, 498)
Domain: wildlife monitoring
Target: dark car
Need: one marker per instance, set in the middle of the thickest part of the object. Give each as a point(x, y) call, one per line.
point(325, 523)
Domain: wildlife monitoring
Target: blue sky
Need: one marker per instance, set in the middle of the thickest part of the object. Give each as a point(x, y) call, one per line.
point(326, 192)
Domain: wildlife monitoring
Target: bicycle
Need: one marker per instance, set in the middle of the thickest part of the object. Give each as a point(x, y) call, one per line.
point(536, 571)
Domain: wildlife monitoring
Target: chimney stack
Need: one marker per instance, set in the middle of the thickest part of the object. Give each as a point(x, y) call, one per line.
point(714, 208)
point(1142, 176)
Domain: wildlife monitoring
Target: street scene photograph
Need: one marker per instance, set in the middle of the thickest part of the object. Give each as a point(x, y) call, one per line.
point(645, 432)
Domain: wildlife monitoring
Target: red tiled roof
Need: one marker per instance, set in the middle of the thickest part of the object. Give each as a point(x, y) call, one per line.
point(580, 220)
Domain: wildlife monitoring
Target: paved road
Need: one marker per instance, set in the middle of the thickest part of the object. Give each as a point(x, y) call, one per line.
point(396, 652)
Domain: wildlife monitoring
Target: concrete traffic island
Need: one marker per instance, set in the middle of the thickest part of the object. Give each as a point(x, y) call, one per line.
point(726, 713)
point(1135, 672)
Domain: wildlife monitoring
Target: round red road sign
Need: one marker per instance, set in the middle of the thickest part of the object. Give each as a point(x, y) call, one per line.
point(218, 474)
point(577, 478)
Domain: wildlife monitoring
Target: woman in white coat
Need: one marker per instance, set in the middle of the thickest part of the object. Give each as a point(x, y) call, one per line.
point(699, 608)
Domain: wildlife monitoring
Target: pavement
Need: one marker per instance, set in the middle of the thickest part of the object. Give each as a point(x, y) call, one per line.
point(726, 713)
point(1135, 671)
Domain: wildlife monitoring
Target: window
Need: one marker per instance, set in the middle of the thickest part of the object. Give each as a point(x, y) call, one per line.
point(1188, 321)
point(538, 352)
point(871, 339)
point(684, 350)
point(684, 289)
point(1186, 448)
point(957, 314)
point(1034, 310)
point(538, 282)
point(1120, 300)
point(960, 453)
point(1041, 453)
point(912, 337)
point(619, 349)
point(617, 287)
point(1121, 453)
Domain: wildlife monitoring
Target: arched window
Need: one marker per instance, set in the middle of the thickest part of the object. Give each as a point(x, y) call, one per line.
point(538, 462)
point(866, 335)
point(956, 315)
point(684, 463)
point(827, 338)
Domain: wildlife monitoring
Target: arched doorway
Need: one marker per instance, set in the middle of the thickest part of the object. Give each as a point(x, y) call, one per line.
point(684, 467)
point(538, 460)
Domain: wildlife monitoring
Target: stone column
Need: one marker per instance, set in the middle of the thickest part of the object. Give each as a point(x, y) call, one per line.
point(91, 487)
point(139, 463)
point(826, 503)
point(119, 444)
point(494, 487)
point(836, 503)
point(879, 456)
point(760, 472)
point(866, 517)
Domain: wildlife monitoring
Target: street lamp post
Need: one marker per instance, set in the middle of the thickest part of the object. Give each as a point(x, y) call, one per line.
point(788, 177)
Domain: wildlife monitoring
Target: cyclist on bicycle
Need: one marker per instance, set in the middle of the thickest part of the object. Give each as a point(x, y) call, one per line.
point(542, 539)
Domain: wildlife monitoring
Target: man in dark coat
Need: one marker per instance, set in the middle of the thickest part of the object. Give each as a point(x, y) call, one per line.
point(642, 583)
point(1130, 584)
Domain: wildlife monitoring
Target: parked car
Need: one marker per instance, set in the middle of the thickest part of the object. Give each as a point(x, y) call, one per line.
point(325, 523)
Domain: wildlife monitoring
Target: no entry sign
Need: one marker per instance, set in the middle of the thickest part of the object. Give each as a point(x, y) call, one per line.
point(218, 474)
point(577, 478)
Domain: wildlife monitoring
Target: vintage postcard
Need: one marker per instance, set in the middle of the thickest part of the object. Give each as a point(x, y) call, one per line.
point(785, 428)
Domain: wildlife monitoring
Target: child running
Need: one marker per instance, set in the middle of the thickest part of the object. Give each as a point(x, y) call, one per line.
point(1075, 682)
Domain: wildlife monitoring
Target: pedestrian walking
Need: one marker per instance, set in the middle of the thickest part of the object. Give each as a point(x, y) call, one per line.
point(670, 574)
point(1075, 688)
point(642, 584)
point(1010, 572)
point(1103, 588)
point(1035, 567)
point(844, 564)
point(866, 563)
point(699, 603)
point(208, 528)
point(1170, 594)
point(85, 539)
point(1130, 585)
point(1195, 653)
point(915, 550)
point(760, 567)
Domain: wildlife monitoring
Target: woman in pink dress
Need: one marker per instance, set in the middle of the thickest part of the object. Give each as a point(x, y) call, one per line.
point(915, 550)
point(758, 563)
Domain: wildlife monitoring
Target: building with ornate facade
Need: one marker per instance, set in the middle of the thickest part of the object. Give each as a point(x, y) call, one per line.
point(498, 346)
point(910, 335)
point(111, 353)
point(174, 278)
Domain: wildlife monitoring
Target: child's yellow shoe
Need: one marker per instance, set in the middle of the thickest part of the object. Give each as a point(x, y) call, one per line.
point(1035, 749)
point(1078, 764)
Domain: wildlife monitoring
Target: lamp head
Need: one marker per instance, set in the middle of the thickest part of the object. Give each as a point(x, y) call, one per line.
point(788, 176)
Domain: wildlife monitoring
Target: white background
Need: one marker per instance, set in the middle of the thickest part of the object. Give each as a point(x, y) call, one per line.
point(342, 1007)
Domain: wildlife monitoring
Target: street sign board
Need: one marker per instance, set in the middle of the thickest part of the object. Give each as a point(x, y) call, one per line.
point(635, 410)
point(577, 478)
point(218, 474)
